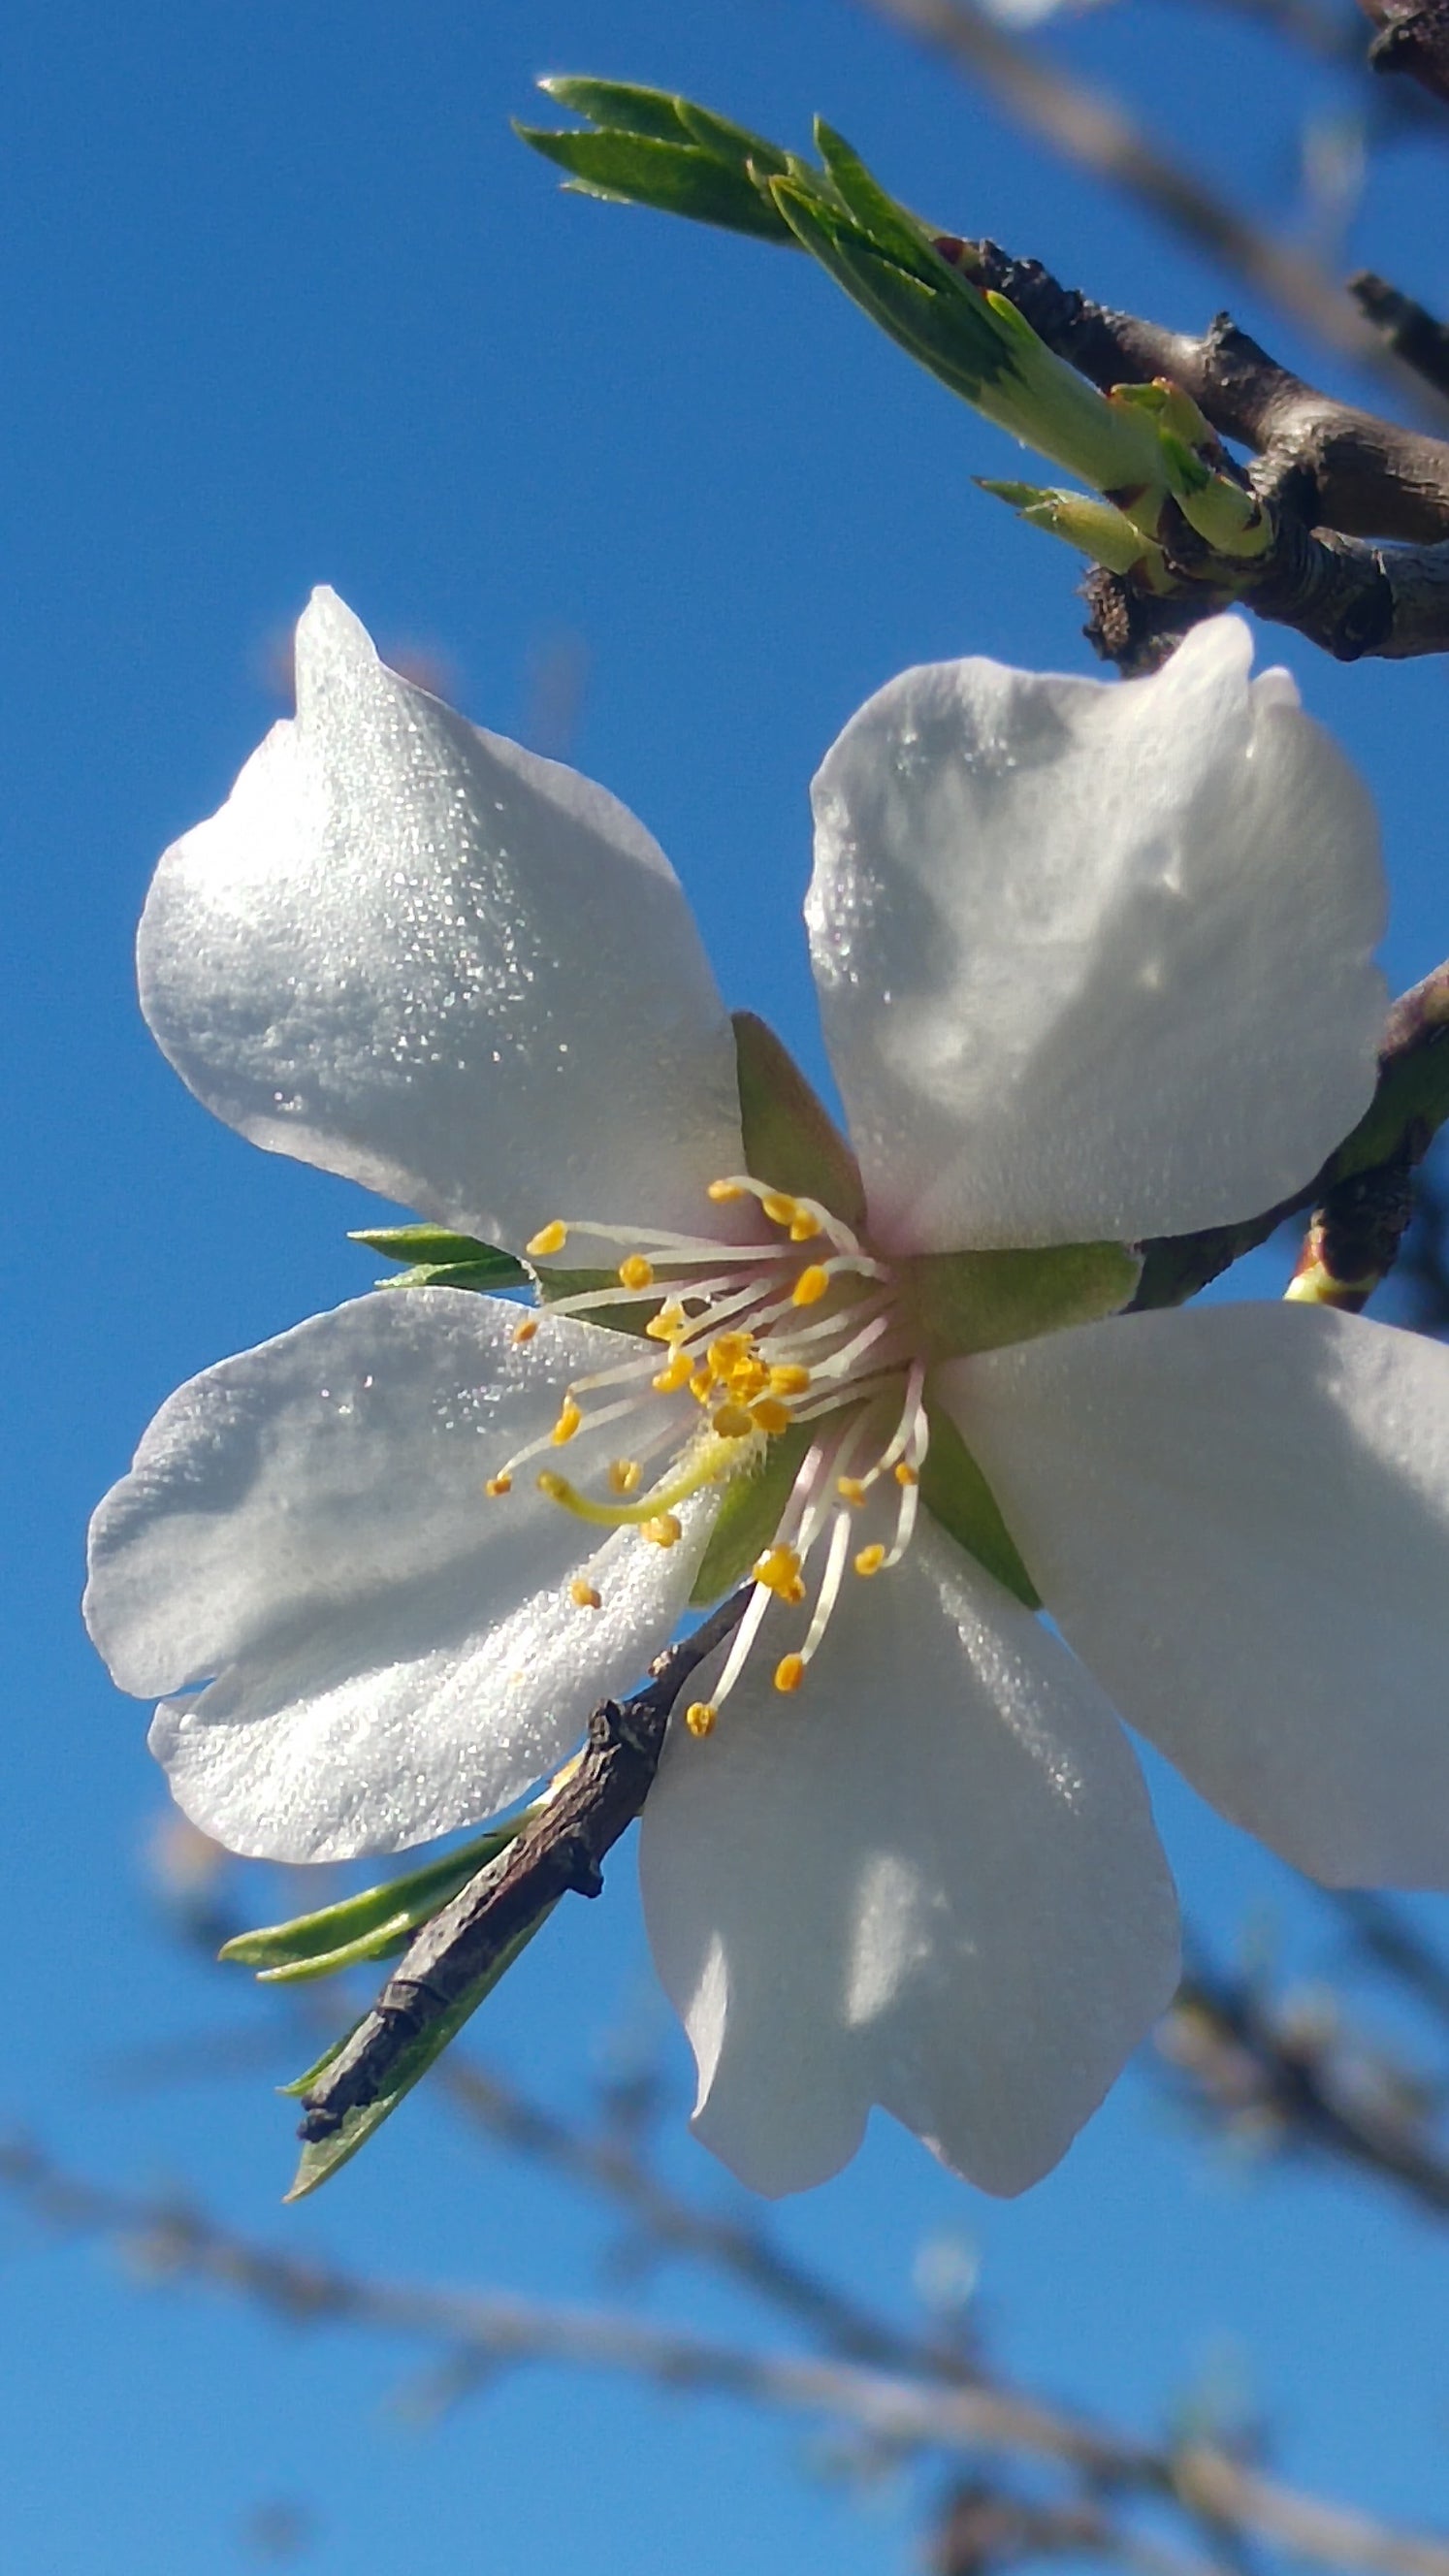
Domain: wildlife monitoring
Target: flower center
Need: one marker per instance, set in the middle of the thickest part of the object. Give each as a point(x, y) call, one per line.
point(796, 1338)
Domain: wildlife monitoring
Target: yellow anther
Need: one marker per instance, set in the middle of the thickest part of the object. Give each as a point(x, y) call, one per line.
point(674, 1374)
point(584, 1596)
point(850, 1489)
point(669, 1321)
point(789, 1672)
point(664, 1531)
point(636, 1272)
point(769, 1415)
point(804, 1228)
point(567, 1423)
point(525, 1331)
point(548, 1240)
point(779, 1207)
point(699, 1717)
point(906, 1474)
point(748, 1378)
point(701, 1384)
point(497, 1485)
point(723, 1191)
point(727, 1352)
point(733, 1423)
point(811, 1285)
point(624, 1475)
point(789, 1380)
point(779, 1570)
point(870, 1560)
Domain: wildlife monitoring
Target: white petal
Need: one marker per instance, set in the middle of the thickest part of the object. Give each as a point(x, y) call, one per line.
point(1239, 1517)
point(929, 1880)
point(371, 1649)
point(1093, 958)
point(420, 956)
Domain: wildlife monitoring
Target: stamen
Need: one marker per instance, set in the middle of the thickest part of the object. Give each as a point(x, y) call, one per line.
point(906, 1474)
point(669, 1321)
point(674, 1375)
point(584, 1596)
point(723, 1191)
point(871, 1559)
point(779, 1571)
point(732, 1422)
point(808, 1290)
point(699, 1717)
point(496, 1485)
point(624, 1474)
point(779, 1207)
point(666, 1531)
point(769, 1415)
point(636, 1272)
point(525, 1331)
point(548, 1240)
point(851, 1489)
point(789, 1381)
point(789, 1672)
point(567, 1423)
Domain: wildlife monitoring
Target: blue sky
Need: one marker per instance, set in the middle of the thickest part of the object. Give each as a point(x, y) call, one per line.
point(286, 302)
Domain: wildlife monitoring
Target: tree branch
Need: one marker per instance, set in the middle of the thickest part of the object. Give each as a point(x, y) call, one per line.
point(911, 2415)
point(1101, 137)
point(1359, 1199)
point(1413, 38)
point(560, 1853)
point(1409, 328)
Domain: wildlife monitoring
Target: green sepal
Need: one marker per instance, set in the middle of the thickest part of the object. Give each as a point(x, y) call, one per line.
point(749, 1517)
point(370, 1925)
point(957, 1495)
point(439, 1259)
point(791, 1140)
point(323, 2157)
point(674, 178)
point(960, 1302)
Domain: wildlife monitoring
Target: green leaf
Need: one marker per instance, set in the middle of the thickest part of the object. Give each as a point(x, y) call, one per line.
point(676, 179)
point(370, 1925)
point(957, 1495)
point(888, 227)
point(960, 1302)
point(442, 1260)
point(323, 2157)
point(622, 107)
point(791, 1140)
point(484, 1278)
point(733, 144)
point(749, 1517)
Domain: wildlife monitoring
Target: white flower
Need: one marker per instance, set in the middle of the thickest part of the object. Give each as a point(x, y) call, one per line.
point(1094, 966)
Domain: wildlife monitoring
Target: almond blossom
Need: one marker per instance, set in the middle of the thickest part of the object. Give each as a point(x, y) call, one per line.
point(1094, 965)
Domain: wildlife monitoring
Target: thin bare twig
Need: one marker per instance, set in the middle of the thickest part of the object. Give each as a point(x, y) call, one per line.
point(560, 1853)
point(914, 2417)
point(1410, 329)
point(1413, 38)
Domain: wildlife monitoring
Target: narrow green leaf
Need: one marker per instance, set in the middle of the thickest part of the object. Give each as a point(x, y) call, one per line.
point(676, 179)
point(958, 339)
point(731, 143)
point(484, 1278)
point(425, 1243)
point(749, 1517)
point(323, 2157)
point(621, 107)
point(441, 1259)
point(369, 1924)
point(310, 2075)
point(957, 1495)
point(889, 227)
